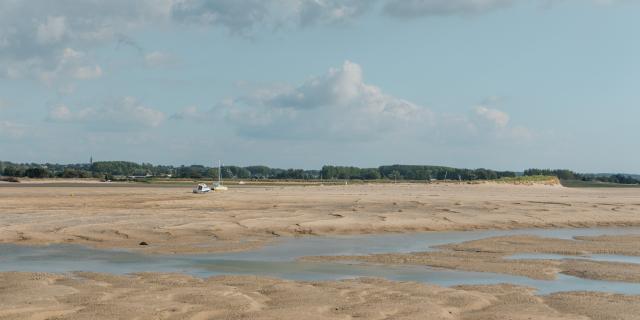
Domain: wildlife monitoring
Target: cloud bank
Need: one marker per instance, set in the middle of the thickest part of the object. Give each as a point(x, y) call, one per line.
point(35, 36)
point(341, 106)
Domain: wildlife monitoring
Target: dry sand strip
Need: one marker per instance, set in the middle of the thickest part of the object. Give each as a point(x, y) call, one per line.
point(173, 220)
point(582, 245)
point(489, 255)
point(173, 296)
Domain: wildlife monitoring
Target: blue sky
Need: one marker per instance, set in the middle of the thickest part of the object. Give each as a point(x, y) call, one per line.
point(502, 84)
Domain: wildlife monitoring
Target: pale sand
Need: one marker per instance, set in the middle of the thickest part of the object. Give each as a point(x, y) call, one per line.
point(173, 220)
point(174, 296)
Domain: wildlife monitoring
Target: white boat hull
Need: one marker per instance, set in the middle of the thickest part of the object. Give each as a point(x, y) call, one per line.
point(201, 188)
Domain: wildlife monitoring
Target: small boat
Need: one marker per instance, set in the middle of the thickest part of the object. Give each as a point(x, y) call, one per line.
point(201, 188)
point(217, 186)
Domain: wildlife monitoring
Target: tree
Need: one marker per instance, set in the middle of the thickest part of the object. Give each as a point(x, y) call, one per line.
point(37, 173)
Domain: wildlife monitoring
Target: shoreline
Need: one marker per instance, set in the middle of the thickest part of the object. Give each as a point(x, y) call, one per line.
point(256, 244)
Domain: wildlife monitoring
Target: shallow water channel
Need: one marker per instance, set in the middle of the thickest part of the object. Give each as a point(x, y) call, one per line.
point(279, 260)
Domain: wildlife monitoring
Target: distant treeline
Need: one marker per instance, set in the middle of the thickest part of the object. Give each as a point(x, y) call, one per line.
point(564, 174)
point(123, 169)
point(412, 172)
point(113, 170)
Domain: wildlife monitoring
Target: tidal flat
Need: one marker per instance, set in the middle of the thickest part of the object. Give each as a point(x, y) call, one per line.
point(473, 228)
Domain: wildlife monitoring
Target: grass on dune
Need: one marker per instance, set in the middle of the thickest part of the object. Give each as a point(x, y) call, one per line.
point(529, 180)
point(595, 184)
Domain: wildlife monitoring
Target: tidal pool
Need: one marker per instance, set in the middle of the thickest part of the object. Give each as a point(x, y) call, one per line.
point(593, 257)
point(279, 260)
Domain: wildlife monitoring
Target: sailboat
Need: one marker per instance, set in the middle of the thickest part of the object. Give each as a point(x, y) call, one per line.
point(201, 188)
point(217, 186)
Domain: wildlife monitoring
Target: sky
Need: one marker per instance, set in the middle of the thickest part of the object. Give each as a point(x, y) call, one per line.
point(500, 84)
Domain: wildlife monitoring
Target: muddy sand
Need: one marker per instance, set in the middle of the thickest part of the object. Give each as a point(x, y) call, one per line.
point(173, 220)
point(174, 296)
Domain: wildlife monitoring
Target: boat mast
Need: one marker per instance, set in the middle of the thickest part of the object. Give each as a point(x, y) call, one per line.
point(220, 172)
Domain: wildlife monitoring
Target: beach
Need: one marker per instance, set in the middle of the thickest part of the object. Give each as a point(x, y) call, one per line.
point(173, 221)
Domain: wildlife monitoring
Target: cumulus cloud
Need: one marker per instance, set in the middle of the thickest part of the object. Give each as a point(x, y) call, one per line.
point(424, 8)
point(338, 104)
point(71, 65)
point(124, 113)
point(488, 121)
point(35, 35)
point(496, 117)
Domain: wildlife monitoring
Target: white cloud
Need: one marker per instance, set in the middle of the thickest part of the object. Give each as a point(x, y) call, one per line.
point(35, 35)
point(159, 59)
point(124, 113)
point(52, 30)
point(425, 8)
point(496, 117)
point(11, 130)
point(86, 73)
point(489, 122)
point(340, 106)
point(242, 17)
point(336, 105)
point(71, 65)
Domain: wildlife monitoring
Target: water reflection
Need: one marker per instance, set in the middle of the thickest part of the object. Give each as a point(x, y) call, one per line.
point(279, 260)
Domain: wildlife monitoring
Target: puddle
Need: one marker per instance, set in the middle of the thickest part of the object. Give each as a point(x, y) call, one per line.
point(279, 260)
point(293, 248)
point(594, 257)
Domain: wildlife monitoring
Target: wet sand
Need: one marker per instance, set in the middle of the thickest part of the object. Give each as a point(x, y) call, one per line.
point(491, 255)
point(173, 220)
point(174, 296)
